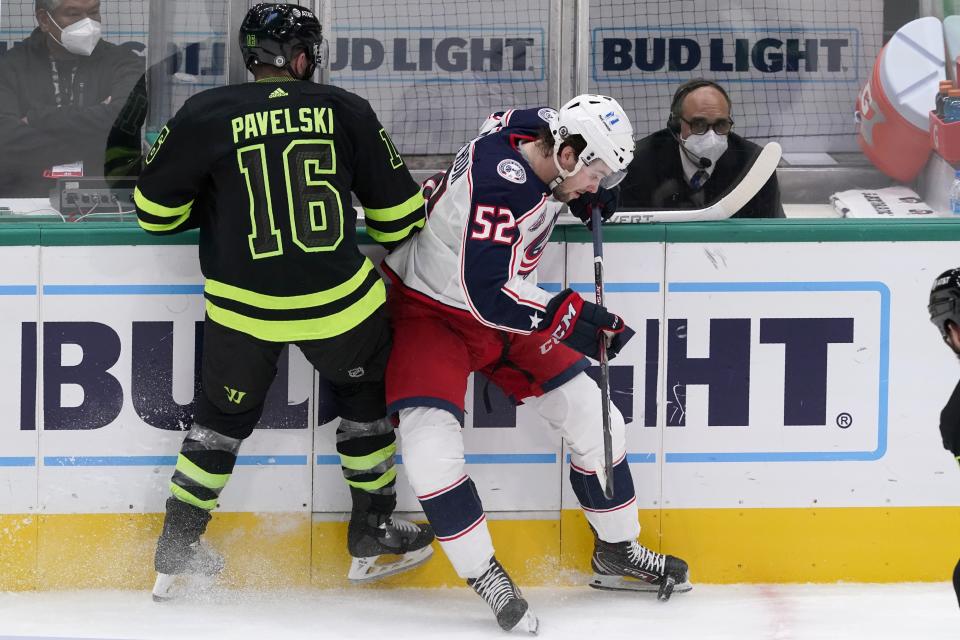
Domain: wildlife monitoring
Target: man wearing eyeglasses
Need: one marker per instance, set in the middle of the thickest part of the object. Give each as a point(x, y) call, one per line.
point(696, 158)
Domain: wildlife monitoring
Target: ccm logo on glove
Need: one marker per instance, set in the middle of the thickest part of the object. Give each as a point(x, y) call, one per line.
point(578, 323)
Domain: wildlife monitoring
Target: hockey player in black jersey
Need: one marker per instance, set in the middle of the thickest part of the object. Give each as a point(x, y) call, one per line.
point(266, 170)
point(944, 308)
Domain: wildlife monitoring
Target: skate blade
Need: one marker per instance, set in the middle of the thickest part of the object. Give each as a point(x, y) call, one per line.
point(529, 623)
point(176, 586)
point(376, 567)
point(624, 583)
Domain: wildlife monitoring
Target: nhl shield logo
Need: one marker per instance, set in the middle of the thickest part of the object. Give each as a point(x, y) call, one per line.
point(512, 171)
point(356, 373)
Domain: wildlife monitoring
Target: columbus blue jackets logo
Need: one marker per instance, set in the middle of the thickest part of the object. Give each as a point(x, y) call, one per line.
point(512, 171)
point(533, 252)
point(547, 114)
point(539, 221)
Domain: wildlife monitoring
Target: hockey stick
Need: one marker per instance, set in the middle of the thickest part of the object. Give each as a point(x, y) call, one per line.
point(597, 224)
point(731, 202)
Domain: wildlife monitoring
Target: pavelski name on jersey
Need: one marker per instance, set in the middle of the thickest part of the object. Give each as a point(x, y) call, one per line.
point(280, 121)
point(490, 219)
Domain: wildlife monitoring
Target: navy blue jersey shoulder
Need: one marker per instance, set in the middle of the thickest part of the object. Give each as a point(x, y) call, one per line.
point(501, 175)
point(528, 121)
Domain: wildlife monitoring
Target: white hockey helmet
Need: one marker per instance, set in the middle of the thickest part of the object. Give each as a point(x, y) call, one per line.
point(604, 126)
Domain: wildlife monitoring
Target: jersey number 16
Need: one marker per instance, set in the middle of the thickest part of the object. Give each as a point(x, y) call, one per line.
point(313, 204)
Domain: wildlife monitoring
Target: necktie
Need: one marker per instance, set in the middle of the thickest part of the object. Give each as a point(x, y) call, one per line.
point(698, 179)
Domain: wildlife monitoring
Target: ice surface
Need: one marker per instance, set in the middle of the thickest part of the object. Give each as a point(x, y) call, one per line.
point(709, 612)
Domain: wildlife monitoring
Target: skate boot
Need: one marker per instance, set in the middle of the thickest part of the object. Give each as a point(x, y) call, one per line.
point(183, 561)
point(630, 566)
point(504, 597)
point(382, 545)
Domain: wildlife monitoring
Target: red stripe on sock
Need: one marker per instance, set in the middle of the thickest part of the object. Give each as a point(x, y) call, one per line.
point(436, 493)
point(464, 532)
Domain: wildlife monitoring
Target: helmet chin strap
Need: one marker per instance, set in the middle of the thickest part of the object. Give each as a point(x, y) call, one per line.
point(556, 181)
point(563, 174)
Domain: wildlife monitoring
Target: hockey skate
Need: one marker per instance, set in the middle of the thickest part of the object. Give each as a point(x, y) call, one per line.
point(504, 597)
point(383, 546)
point(184, 563)
point(630, 566)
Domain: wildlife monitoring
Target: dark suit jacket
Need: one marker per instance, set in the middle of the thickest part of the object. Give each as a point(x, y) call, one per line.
point(655, 178)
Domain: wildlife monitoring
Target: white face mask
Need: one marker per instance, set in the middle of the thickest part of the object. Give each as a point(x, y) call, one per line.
point(80, 37)
point(707, 145)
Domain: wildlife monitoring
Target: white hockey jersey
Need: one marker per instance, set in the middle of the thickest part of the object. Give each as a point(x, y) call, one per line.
point(489, 220)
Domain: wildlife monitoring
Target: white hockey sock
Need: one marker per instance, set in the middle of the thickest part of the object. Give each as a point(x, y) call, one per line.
point(432, 448)
point(574, 409)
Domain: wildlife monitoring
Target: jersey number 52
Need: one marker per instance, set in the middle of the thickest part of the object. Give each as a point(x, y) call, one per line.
point(493, 223)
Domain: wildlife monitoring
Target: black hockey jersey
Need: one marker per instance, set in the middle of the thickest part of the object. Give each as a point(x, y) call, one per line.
point(265, 170)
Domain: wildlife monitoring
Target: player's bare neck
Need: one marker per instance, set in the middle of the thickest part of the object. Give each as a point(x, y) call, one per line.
point(262, 71)
point(539, 160)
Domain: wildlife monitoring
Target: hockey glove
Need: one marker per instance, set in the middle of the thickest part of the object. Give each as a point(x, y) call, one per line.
point(578, 323)
point(606, 199)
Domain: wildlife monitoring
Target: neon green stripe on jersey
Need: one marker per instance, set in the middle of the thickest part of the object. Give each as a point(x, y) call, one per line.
point(148, 226)
point(312, 329)
point(396, 236)
point(264, 301)
point(397, 212)
point(159, 210)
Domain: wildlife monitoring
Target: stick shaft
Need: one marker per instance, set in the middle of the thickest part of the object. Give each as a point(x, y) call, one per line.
point(596, 223)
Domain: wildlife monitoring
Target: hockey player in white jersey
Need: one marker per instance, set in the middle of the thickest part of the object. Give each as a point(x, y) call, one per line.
point(465, 299)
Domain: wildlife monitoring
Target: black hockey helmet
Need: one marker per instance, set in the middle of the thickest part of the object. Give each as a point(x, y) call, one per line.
point(944, 303)
point(273, 33)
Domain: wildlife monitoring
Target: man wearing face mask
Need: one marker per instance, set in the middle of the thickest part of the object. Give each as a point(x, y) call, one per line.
point(944, 308)
point(696, 159)
point(61, 90)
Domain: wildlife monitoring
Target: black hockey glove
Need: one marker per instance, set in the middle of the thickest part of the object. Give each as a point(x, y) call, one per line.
point(578, 323)
point(606, 199)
